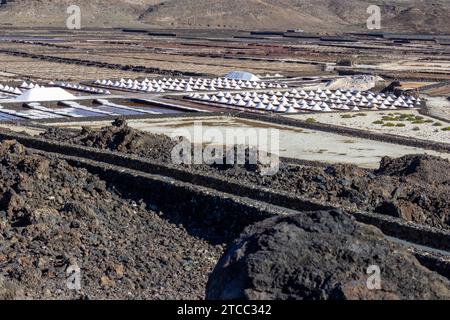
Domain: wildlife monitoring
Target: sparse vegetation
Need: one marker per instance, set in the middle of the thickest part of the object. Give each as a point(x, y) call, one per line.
point(405, 117)
point(397, 119)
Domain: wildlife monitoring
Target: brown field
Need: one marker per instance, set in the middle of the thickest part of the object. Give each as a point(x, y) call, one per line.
point(216, 66)
point(27, 68)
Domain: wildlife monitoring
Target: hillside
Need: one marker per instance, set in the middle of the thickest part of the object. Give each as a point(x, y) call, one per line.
point(318, 15)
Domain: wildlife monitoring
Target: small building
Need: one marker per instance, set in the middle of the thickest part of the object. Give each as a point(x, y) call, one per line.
point(242, 75)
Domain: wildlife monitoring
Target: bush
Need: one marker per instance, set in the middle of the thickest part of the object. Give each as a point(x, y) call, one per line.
point(389, 124)
point(346, 116)
point(378, 122)
point(418, 122)
point(311, 120)
point(400, 125)
point(416, 129)
point(446, 129)
point(437, 124)
point(406, 118)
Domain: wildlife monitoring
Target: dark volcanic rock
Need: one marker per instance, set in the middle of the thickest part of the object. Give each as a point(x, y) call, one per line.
point(413, 187)
point(421, 185)
point(319, 255)
point(10, 290)
point(424, 168)
point(54, 216)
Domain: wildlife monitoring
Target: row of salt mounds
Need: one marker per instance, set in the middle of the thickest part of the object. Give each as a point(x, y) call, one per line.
point(32, 85)
point(10, 89)
point(186, 85)
point(320, 101)
point(130, 84)
point(80, 87)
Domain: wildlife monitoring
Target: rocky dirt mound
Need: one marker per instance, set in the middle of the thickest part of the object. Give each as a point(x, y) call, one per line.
point(320, 255)
point(54, 216)
point(249, 159)
point(397, 189)
point(122, 138)
point(429, 169)
point(414, 187)
point(118, 137)
point(420, 188)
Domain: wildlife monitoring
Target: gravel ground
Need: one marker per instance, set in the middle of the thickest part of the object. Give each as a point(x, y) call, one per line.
point(54, 216)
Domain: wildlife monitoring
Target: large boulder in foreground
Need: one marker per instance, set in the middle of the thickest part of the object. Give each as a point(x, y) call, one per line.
point(319, 255)
point(10, 290)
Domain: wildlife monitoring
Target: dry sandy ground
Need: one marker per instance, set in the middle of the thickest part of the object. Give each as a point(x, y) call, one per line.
point(364, 120)
point(22, 129)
